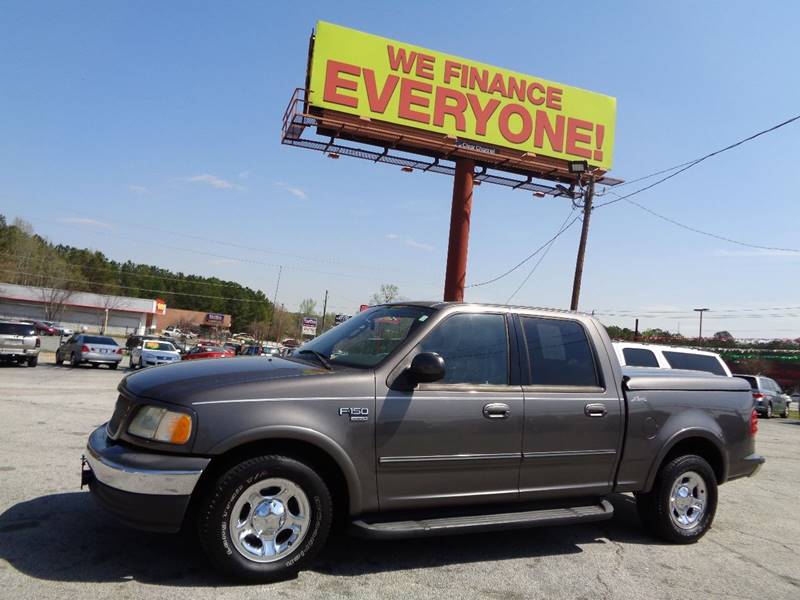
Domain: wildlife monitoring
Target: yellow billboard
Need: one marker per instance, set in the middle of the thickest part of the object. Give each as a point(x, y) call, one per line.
point(385, 80)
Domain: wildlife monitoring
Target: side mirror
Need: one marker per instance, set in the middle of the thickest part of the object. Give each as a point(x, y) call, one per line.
point(426, 367)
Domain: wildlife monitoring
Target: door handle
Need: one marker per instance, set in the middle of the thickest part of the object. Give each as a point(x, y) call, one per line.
point(595, 410)
point(496, 410)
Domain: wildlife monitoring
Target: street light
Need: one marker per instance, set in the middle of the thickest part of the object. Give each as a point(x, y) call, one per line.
point(701, 311)
point(578, 167)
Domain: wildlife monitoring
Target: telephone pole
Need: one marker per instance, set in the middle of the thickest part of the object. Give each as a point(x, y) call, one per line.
point(274, 302)
point(587, 213)
point(324, 310)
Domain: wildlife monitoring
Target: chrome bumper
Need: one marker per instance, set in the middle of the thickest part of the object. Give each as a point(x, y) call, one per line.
point(141, 472)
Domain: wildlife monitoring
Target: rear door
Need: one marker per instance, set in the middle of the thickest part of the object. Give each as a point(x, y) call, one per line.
point(459, 440)
point(573, 417)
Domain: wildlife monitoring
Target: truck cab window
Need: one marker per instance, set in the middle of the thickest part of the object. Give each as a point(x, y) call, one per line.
point(559, 352)
point(474, 348)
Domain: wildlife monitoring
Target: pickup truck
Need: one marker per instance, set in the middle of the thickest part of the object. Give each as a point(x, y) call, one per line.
point(415, 419)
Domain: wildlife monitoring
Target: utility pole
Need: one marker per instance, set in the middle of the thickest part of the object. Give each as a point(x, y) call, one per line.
point(587, 212)
point(274, 302)
point(701, 311)
point(324, 310)
point(636, 331)
point(460, 212)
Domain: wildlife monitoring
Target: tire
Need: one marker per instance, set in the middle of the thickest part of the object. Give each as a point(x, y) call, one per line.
point(113, 366)
point(32, 362)
point(785, 413)
point(74, 361)
point(295, 487)
point(131, 364)
point(673, 521)
point(59, 360)
point(768, 414)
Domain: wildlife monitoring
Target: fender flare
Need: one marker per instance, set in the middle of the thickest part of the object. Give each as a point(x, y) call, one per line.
point(679, 436)
point(301, 434)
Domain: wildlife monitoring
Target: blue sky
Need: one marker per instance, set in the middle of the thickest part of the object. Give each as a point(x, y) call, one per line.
point(130, 126)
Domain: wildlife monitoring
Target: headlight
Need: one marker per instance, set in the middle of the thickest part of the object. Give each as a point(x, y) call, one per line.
point(161, 425)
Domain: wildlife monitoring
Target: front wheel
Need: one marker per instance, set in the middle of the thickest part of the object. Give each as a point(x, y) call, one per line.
point(265, 518)
point(769, 410)
point(785, 413)
point(681, 506)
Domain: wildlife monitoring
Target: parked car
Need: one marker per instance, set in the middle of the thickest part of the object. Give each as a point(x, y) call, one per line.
point(174, 332)
point(207, 352)
point(45, 328)
point(418, 419)
point(62, 331)
point(19, 343)
point(153, 353)
point(136, 340)
point(260, 350)
point(233, 347)
point(95, 350)
point(768, 396)
point(670, 357)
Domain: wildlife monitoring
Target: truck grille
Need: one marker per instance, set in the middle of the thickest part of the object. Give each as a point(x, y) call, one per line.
point(120, 416)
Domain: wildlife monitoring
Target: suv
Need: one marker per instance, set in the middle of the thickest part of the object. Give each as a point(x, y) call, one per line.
point(19, 342)
point(670, 357)
point(768, 395)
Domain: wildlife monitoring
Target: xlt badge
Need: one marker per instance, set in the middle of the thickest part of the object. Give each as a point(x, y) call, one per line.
point(356, 413)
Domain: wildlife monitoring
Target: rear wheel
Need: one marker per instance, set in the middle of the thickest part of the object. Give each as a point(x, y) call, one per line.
point(74, 361)
point(265, 518)
point(59, 360)
point(113, 365)
point(681, 506)
point(785, 413)
point(33, 361)
point(769, 411)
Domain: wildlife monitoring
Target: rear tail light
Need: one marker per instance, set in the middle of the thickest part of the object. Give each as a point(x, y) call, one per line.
point(757, 395)
point(119, 350)
point(753, 423)
point(38, 342)
point(85, 348)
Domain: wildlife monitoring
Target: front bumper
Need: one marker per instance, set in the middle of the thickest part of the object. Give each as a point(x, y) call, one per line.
point(146, 490)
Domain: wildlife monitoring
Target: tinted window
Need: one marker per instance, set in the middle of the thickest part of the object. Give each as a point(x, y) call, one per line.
point(559, 352)
point(775, 386)
point(639, 357)
point(16, 329)
point(98, 339)
point(751, 380)
point(474, 348)
point(694, 362)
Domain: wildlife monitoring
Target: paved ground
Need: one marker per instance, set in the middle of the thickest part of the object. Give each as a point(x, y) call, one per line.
point(55, 543)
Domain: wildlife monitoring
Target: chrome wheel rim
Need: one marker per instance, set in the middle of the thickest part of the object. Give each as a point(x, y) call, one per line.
point(687, 500)
point(269, 520)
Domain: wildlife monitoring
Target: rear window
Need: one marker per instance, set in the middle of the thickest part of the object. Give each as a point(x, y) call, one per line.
point(559, 353)
point(694, 362)
point(16, 329)
point(751, 380)
point(99, 339)
point(639, 357)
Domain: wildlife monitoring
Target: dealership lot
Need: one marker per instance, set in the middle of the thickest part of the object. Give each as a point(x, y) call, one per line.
point(54, 542)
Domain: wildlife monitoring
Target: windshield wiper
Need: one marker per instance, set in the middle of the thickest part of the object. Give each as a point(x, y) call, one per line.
point(325, 362)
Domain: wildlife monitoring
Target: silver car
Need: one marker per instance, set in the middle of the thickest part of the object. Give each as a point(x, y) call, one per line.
point(19, 343)
point(95, 350)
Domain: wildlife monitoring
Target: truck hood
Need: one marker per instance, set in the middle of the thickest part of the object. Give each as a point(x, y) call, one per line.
point(212, 379)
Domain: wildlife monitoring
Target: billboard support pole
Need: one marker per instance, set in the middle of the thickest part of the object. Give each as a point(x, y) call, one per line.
point(456, 273)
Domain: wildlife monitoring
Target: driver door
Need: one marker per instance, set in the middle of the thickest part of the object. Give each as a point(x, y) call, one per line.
point(458, 440)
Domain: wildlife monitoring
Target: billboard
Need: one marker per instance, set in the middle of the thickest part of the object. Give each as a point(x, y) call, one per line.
point(380, 79)
point(215, 317)
point(309, 326)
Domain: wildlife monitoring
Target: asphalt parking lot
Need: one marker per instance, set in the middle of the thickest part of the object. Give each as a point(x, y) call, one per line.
point(55, 543)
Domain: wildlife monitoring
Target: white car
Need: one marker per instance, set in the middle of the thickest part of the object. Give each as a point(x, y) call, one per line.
point(670, 357)
point(174, 332)
point(153, 353)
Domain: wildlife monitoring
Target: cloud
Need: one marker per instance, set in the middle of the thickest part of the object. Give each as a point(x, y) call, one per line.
point(294, 191)
point(138, 189)
point(213, 181)
point(84, 221)
point(410, 242)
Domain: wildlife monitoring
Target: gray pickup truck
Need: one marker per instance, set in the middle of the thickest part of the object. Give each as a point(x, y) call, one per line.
point(417, 419)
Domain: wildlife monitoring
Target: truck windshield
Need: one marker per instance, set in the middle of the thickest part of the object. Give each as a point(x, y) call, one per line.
point(369, 337)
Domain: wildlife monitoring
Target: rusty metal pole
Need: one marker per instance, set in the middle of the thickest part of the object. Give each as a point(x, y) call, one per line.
point(587, 213)
point(460, 211)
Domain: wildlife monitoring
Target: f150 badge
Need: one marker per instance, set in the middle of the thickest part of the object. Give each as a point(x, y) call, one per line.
point(356, 413)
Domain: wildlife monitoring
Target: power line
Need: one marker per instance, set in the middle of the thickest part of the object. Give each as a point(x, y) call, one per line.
point(707, 233)
point(690, 164)
point(538, 262)
point(526, 259)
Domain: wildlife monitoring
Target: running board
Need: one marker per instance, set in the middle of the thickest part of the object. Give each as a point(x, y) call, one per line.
point(482, 522)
